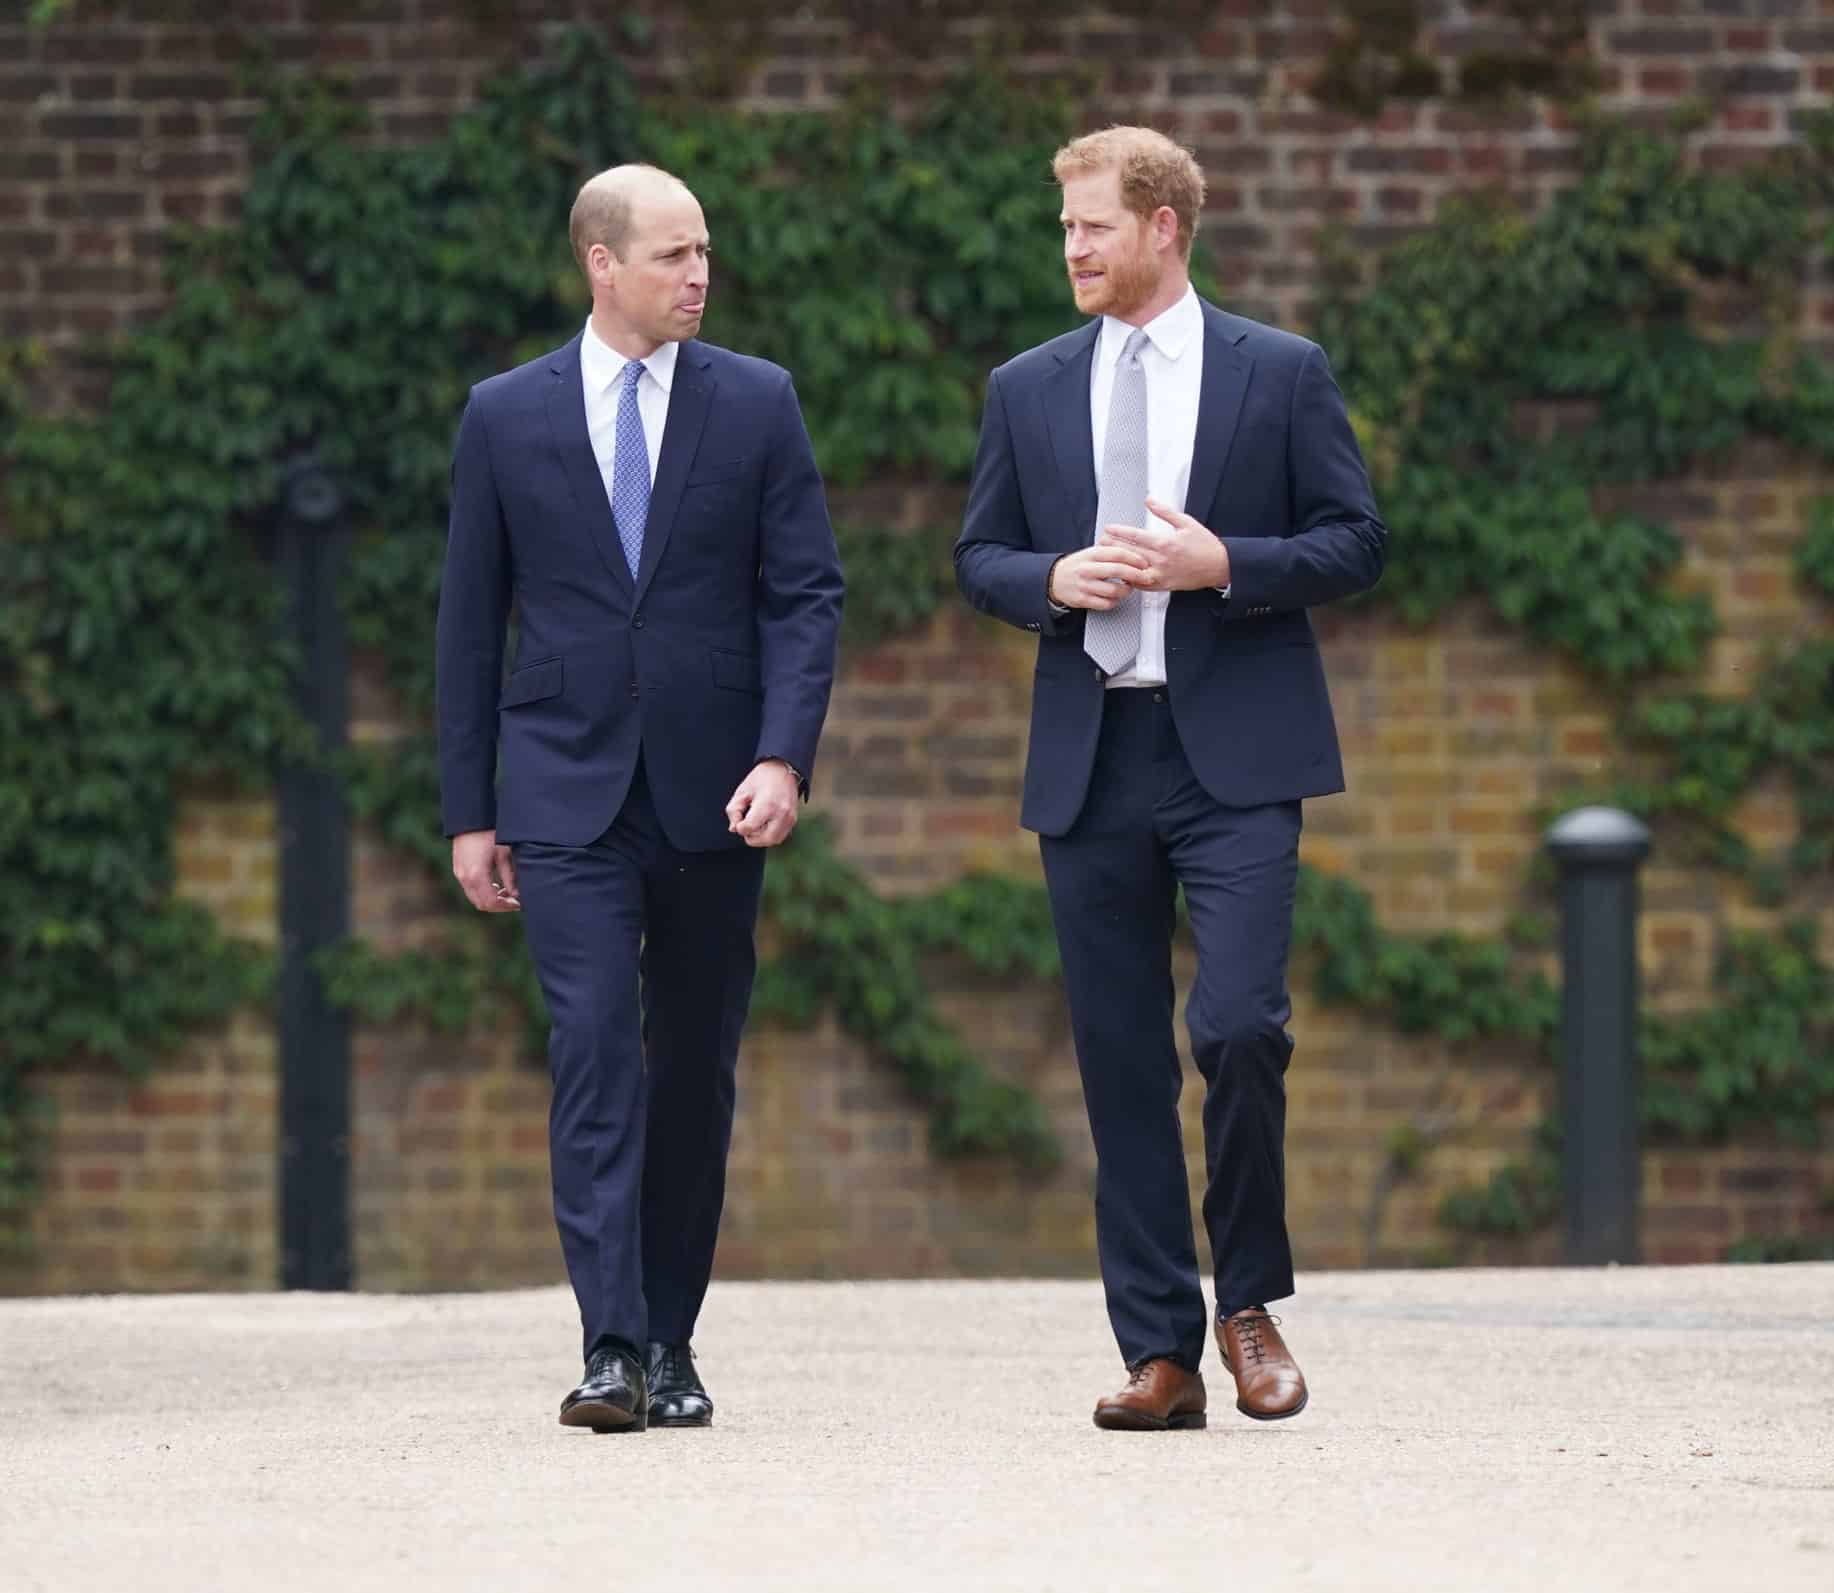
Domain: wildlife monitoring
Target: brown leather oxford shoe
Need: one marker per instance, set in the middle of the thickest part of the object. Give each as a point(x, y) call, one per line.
point(1268, 1382)
point(1160, 1394)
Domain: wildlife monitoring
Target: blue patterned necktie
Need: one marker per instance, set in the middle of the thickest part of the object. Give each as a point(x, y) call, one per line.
point(1111, 636)
point(630, 470)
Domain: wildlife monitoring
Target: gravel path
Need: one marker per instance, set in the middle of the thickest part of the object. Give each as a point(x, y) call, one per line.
point(1668, 1429)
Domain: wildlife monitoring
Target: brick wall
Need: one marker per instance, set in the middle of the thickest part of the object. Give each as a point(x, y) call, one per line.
point(114, 127)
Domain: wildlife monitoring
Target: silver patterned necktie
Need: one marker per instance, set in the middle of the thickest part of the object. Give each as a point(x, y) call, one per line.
point(630, 470)
point(1112, 636)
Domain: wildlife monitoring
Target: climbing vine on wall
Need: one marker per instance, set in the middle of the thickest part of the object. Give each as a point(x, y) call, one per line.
point(889, 263)
point(1454, 356)
point(1379, 54)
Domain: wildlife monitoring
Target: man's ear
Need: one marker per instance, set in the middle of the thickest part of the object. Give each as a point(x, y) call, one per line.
point(1165, 227)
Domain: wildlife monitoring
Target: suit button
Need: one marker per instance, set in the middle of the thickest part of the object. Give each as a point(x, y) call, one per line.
point(1033, 626)
point(637, 623)
point(633, 691)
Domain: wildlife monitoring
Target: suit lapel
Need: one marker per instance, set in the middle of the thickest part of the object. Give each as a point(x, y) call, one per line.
point(689, 400)
point(567, 420)
point(1219, 407)
point(1066, 416)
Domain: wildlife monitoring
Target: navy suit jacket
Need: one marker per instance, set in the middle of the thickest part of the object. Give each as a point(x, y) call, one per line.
point(1275, 472)
point(719, 654)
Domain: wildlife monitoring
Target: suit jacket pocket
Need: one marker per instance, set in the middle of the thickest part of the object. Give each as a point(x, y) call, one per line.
point(737, 672)
point(709, 472)
point(531, 683)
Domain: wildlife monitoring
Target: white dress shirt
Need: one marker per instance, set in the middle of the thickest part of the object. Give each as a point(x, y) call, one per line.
point(601, 369)
point(1173, 360)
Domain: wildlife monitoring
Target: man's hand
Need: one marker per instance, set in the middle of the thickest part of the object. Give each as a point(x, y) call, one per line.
point(1097, 577)
point(1187, 557)
point(763, 809)
point(486, 872)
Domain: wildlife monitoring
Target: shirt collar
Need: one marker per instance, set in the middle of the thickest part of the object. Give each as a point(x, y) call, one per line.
point(1170, 332)
point(602, 366)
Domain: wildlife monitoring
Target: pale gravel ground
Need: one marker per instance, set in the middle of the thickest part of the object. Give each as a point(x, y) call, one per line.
point(1662, 1429)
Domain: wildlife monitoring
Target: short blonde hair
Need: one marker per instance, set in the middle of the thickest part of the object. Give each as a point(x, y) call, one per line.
point(1154, 171)
point(603, 210)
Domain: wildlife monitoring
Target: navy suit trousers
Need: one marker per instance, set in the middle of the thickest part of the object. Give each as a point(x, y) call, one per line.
point(1147, 828)
point(646, 959)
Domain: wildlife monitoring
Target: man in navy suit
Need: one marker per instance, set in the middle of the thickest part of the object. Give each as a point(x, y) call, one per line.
point(1160, 497)
point(650, 505)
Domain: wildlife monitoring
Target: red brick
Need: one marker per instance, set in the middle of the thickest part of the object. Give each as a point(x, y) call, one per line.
point(883, 668)
point(1748, 118)
point(183, 1103)
point(442, 1098)
point(1665, 82)
point(1735, 157)
point(346, 45)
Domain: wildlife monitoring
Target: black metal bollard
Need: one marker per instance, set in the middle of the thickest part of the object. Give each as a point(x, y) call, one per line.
point(314, 902)
point(1598, 851)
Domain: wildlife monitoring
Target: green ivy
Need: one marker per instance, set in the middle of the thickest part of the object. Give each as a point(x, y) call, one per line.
point(889, 263)
point(1378, 55)
point(1507, 373)
point(895, 579)
point(1521, 1197)
point(1763, 1058)
point(1446, 984)
point(345, 317)
point(1815, 552)
point(1782, 1247)
point(1704, 753)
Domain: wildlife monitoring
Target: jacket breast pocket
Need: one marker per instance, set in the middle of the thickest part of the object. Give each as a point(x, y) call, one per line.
point(532, 683)
point(711, 472)
point(737, 672)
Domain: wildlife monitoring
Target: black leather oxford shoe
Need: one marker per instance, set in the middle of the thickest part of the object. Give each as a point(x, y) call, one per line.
point(613, 1398)
point(677, 1397)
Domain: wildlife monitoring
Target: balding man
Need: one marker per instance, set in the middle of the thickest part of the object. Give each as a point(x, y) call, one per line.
point(1159, 498)
point(649, 505)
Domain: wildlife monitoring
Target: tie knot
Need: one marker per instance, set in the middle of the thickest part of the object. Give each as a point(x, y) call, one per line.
point(633, 373)
point(1135, 346)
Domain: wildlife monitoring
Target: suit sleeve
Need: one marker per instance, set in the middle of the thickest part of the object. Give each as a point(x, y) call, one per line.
point(800, 590)
point(996, 566)
point(474, 598)
point(1338, 542)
